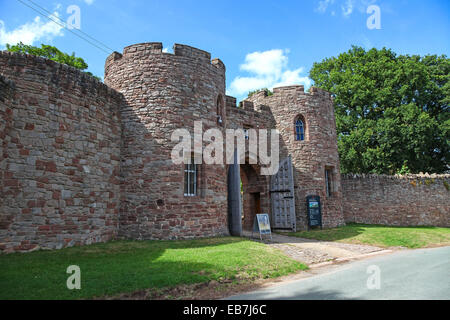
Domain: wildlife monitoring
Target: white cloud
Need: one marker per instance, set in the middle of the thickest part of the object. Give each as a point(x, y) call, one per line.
point(267, 63)
point(323, 5)
point(347, 8)
point(267, 69)
point(89, 2)
point(364, 4)
point(31, 32)
point(291, 77)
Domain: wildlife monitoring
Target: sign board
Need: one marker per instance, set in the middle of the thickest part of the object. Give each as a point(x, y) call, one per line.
point(262, 225)
point(314, 211)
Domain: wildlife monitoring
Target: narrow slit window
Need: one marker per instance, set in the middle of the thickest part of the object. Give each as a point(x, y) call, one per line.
point(247, 132)
point(190, 179)
point(219, 111)
point(329, 182)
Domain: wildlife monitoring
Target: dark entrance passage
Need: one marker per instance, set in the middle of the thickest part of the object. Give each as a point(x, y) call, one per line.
point(253, 193)
point(256, 199)
point(248, 195)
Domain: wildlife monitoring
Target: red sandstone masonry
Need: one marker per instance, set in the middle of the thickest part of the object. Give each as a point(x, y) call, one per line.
point(247, 116)
point(60, 156)
point(61, 124)
point(412, 200)
point(82, 163)
point(165, 92)
point(312, 156)
point(6, 101)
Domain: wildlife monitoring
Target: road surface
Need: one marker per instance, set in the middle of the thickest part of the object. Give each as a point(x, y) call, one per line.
point(404, 275)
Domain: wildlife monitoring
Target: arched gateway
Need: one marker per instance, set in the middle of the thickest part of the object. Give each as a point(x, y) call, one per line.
point(250, 193)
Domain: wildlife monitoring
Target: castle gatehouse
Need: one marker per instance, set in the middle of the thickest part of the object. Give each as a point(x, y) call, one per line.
point(84, 161)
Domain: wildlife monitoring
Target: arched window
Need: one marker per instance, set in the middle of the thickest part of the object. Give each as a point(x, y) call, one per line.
point(299, 130)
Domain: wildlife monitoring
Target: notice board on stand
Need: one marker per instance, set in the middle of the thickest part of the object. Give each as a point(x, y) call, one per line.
point(262, 225)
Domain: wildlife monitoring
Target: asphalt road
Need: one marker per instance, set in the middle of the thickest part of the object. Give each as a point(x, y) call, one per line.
point(404, 275)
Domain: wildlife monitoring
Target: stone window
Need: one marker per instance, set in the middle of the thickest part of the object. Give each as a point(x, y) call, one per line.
point(329, 181)
point(246, 131)
point(219, 111)
point(190, 178)
point(300, 133)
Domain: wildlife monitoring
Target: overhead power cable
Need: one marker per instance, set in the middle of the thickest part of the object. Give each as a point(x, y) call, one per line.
point(58, 21)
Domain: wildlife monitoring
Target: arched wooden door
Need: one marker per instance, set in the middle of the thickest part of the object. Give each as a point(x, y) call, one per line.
point(282, 197)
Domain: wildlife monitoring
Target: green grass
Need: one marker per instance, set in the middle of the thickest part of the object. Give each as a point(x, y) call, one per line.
point(409, 237)
point(127, 266)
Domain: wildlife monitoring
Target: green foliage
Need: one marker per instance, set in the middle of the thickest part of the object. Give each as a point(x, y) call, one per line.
point(267, 91)
point(51, 53)
point(382, 236)
point(392, 111)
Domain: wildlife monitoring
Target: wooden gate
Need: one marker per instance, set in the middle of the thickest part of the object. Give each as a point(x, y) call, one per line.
point(282, 197)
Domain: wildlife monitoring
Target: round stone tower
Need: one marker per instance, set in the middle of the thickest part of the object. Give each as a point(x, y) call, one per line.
point(307, 127)
point(164, 92)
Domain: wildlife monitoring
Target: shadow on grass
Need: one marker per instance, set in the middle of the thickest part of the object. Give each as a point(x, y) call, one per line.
point(334, 234)
point(380, 235)
point(118, 267)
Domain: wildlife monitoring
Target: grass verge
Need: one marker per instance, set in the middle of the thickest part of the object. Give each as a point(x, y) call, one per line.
point(127, 266)
point(382, 236)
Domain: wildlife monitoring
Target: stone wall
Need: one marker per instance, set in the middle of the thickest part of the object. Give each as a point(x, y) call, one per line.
point(412, 200)
point(84, 162)
point(165, 92)
point(60, 155)
point(312, 156)
point(255, 186)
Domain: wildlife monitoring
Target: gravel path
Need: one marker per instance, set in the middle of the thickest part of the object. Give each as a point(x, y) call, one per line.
point(305, 255)
point(314, 251)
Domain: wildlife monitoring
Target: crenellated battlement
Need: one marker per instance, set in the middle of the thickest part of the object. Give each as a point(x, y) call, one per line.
point(49, 71)
point(147, 47)
point(190, 52)
point(314, 91)
point(156, 48)
point(261, 101)
point(247, 105)
point(218, 64)
point(294, 89)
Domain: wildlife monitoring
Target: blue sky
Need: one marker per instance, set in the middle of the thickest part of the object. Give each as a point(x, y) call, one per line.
point(262, 43)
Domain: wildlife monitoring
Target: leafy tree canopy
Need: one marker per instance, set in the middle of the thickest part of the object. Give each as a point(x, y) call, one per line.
point(267, 91)
point(52, 53)
point(392, 111)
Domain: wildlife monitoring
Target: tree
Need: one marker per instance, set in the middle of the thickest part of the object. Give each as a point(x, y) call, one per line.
point(392, 111)
point(267, 91)
point(51, 53)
